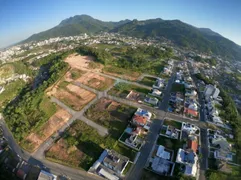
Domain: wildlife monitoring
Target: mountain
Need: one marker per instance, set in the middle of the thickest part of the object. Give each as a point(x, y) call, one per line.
point(180, 33)
point(75, 26)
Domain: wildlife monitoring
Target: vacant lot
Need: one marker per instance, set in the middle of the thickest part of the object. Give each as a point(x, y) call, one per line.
point(95, 81)
point(72, 95)
point(74, 74)
point(35, 139)
point(111, 114)
point(123, 89)
point(81, 146)
point(148, 81)
point(173, 123)
point(121, 73)
point(84, 63)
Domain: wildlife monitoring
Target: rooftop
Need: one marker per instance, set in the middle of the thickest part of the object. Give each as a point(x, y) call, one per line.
point(139, 119)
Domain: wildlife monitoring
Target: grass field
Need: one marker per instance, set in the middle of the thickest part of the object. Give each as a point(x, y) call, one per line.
point(148, 81)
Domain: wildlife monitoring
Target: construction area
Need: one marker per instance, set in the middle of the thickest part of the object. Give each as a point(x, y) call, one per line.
point(35, 139)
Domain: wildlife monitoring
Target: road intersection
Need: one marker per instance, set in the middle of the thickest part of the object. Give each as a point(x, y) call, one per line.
point(38, 158)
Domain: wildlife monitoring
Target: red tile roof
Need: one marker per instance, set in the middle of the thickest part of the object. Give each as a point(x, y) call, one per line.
point(192, 145)
point(191, 112)
point(139, 119)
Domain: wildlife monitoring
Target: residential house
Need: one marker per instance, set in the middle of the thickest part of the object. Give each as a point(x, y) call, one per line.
point(144, 113)
point(139, 120)
point(159, 84)
point(153, 101)
point(193, 145)
point(211, 90)
point(156, 92)
point(224, 149)
point(189, 128)
point(189, 159)
point(162, 153)
point(110, 165)
point(115, 162)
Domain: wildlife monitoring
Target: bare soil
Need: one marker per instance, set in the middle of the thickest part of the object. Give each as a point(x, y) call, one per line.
point(96, 81)
point(73, 96)
point(53, 124)
point(61, 151)
point(83, 62)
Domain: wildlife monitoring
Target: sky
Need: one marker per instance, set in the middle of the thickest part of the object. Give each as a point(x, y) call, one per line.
point(19, 19)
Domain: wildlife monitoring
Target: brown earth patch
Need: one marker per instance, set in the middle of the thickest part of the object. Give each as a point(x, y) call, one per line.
point(68, 155)
point(95, 81)
point(83, 62)
point(50, 127)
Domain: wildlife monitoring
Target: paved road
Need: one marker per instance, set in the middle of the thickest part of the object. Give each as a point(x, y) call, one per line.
point(55, 168)
point(203, 134)
point(145, 151)
point(146, 75)
point(37, 157)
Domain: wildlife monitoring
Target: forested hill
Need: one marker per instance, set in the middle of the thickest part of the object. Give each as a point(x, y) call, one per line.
point(74, 26)
point(181, 34)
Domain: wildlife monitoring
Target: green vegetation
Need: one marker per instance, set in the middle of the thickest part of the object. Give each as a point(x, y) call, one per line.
point(173, 123)
point(47, 106)
point(149, 175)
point(178, 88)
point(6, 70)
point(204, 79)
point(86, 140)
point(115, 117)
point(212, 61)
point(148, 81)
point(24, 114)
point(123, 89)
point(128, 167)
point(11, 91)
point(182, 35)
point(76, 73)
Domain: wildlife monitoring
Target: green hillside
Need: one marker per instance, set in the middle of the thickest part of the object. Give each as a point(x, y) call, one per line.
point(181, 34)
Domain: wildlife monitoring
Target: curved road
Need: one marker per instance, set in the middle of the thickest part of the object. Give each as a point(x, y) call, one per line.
point(37, 158)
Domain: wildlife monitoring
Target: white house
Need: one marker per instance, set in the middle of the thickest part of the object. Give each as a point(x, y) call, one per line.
point(189, 128)
point(211, 90)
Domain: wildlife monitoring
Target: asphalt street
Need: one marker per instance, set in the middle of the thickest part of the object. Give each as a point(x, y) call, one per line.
point(37, 158)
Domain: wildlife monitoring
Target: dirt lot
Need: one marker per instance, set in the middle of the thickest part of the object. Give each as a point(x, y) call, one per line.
point(53, 124)
point(69, 155)
point(72, 95)
point(83, 62)
point(110, 114)
point(95, 81)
